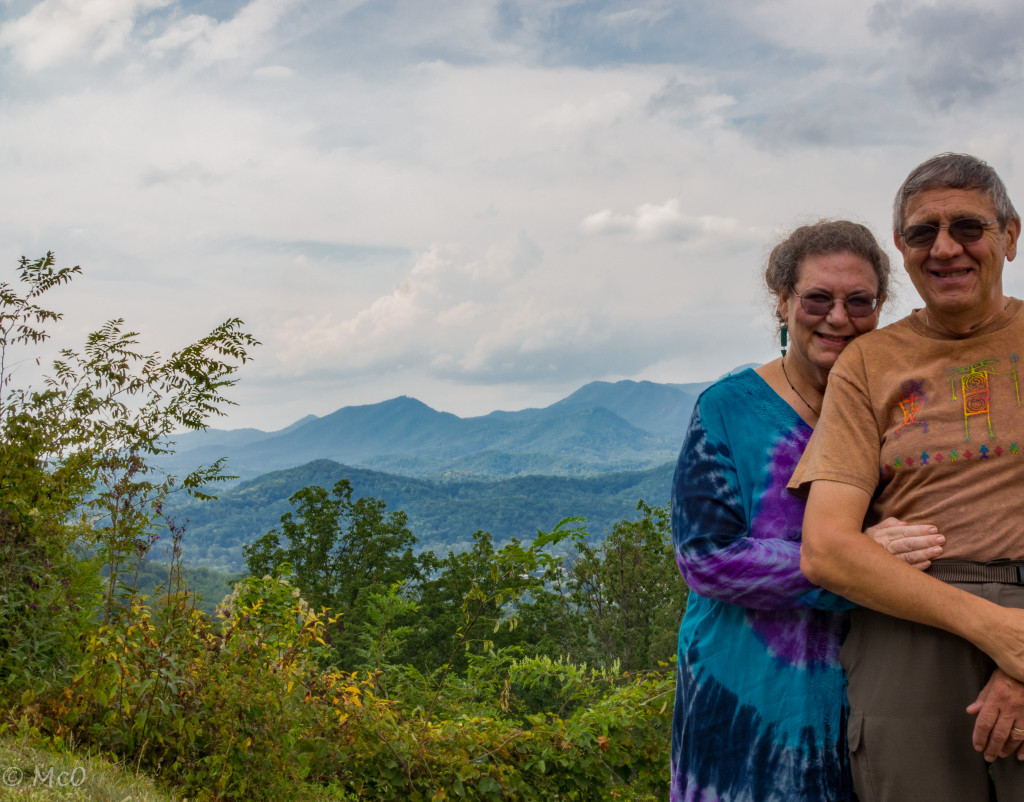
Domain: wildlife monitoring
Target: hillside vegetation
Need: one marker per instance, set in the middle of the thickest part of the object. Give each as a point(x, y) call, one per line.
point(444, 514)
point(349, 662)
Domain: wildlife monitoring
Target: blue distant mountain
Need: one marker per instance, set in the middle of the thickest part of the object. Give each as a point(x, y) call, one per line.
point(602, 427)
point(595, 453)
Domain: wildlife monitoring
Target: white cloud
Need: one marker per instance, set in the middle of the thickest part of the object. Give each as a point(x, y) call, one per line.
point(244, 36)
point(274, 71)
point(434, 315)
point(605, 177)
point(651, 222)
point(182, 33)
point(55, 31)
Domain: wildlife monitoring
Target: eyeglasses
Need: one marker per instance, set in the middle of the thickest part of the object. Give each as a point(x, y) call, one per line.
point(968, 229)
point(816, 302)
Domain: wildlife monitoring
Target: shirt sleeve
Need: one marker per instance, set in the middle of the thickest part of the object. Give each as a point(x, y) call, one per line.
point(846, 444)
point(711, 535)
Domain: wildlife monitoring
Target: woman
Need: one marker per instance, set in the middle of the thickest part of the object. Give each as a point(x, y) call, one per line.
point(760, 702)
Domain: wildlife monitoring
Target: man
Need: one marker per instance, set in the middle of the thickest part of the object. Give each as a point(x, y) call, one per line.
point(924, 420)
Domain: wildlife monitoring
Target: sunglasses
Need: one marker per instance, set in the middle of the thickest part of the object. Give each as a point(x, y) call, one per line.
point(922, 235)
point(816, 302)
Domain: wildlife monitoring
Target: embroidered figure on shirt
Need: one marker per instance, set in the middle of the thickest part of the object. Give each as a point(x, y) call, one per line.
point(924, 459)
point(974, 388)
point(909, 406)
point(1013, 372)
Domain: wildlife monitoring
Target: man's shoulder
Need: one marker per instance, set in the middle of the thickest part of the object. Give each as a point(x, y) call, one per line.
point(876, 345)
point(884, 336)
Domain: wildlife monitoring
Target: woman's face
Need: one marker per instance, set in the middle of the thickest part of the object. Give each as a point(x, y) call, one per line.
point(819, 339)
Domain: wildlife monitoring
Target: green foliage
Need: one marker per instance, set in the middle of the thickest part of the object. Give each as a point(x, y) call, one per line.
point(340, 551)
point(207, 585)
point(47, 597)
point(628, 589)
point(612, 746)
point(224, 709)
point(479, 733)
point(481, 581)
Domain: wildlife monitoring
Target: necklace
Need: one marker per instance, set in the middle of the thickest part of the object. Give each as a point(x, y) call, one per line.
point(812, 409)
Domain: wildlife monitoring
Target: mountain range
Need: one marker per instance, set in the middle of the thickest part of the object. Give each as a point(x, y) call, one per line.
point(594, 454)
point(602, 427)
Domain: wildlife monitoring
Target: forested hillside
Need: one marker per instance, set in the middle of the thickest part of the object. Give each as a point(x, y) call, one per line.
point(443, 514)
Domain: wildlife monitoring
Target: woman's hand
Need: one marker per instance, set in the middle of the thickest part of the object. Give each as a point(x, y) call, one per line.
point(916, 544)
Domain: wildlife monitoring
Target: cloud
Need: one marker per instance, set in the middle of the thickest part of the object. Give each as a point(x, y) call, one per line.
point(434, 316)
point(473, 196)
point(690, 101)
point(55, 31)
point(182, 33)
point(274, 71)
point(651, 222)
point(243, 37)
point(981, 53)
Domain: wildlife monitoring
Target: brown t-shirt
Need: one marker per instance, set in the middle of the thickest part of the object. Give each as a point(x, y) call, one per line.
point(933, 428)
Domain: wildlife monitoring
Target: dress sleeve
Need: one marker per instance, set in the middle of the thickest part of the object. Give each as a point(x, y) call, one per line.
point(715, 549)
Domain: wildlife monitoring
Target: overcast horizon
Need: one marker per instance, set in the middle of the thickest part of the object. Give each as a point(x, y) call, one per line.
point(482, 204)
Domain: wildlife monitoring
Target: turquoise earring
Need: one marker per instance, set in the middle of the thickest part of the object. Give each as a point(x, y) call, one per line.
point(783, 339)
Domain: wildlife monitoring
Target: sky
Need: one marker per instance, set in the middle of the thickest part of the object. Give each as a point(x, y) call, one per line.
point(483, 204)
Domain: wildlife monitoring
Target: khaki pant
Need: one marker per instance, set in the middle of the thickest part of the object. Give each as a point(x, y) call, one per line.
point(910, 738)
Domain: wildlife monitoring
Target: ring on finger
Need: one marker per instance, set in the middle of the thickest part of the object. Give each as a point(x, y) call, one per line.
point(1017, 730)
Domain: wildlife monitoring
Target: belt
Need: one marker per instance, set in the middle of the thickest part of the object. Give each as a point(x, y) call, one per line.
point(1008, 572)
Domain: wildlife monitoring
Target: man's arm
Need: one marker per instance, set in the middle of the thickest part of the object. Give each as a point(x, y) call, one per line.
point(838, 557)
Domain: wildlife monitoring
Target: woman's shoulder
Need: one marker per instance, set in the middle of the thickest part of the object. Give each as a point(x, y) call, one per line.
point(743, 383)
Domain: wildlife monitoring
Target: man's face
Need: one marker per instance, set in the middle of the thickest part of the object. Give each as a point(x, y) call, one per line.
point(960, 283)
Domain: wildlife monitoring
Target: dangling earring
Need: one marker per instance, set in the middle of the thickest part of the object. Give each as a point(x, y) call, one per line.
point(783, 331)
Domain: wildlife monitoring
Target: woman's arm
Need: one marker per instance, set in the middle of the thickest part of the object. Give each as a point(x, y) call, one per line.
point(712, 536)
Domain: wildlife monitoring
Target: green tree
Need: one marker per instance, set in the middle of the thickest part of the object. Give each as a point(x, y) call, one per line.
point(617, 600)
point(340, 552)
point(75, 485)
point(630, 591)
point(472, 599)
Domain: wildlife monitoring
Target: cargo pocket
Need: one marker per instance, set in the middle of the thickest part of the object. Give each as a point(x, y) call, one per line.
point(858, 759)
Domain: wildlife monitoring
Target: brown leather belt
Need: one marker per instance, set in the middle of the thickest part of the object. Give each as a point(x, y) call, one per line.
point(1008, 572)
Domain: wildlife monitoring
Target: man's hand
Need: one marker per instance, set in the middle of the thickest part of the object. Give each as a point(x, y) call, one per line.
point(999, 728)
point(916, 544)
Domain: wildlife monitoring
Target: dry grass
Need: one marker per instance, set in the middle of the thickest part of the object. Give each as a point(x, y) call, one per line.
point(29, 770)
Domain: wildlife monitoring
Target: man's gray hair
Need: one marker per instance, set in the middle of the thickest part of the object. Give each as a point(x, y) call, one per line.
point(954, 171)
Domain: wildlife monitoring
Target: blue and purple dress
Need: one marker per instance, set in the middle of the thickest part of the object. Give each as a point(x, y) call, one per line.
point(760, 708)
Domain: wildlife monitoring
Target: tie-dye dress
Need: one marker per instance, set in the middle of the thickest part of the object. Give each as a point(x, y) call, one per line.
point(760, 704)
